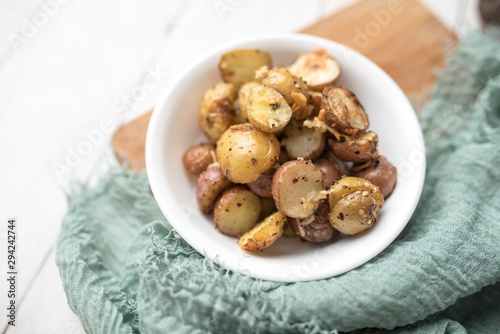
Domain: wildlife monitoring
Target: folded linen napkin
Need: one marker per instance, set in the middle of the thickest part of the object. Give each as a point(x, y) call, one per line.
point(125, 270)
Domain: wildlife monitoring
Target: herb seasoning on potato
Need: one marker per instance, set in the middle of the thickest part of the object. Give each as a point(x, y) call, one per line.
point(268, 170)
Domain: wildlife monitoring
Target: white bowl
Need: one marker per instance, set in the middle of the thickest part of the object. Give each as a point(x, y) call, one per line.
point(174, 128)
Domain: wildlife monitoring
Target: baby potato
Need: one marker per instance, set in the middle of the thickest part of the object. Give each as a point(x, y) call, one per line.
point(211, 184)
point(329, 170)
point(215, 115)
point(343, 111)
point(236, 211)
point(303, 142)
point(262, 186)
point(315, 229)
point(293, 89)
point(198, 157)
point(267, 207)
point(244, 153)
point(263, 234)
point(317, 68)
point(358, 148)
point(296, 186)
point(267, 109)
point(239, 66)
point(381, 173)
point(354, 205)
point(243, 99)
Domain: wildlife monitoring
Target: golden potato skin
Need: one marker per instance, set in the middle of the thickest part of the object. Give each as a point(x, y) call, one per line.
point(198, 157)
point(267, 109)
point(343, 111)
point(263, 234)
point(241, 116)
point(236, 211)
point(354, 205)
point(216, 110)
point(211, 184)
point(285, 82)
point(358, 149)
point(318, 229)
point(316, 68)
point(239, 66)
point(245, 153)
point(381, 173)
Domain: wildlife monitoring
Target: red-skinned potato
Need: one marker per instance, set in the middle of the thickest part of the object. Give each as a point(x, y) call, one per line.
point(296, 186)
point(329, 170)
point(358, 149)
point(262, 186)
point(316, 68)
point(317, 228)
point(211, 184)
point(343, 111)
point(381, 173)
point(198, 157)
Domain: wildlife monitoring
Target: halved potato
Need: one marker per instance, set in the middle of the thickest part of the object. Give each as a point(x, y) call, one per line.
point(244, 153)
point(354, 205)
point(316, 68)
point(343, 111)
point(236, 211)
point(216, 110)
point(211, 184)
point(381, 173)
point(317, 228)
point(262, 186)
point(330, 172)
point(267, 109)
point(303, 142)
point(243, 98)
point(358, 149)
point(263, 234)
point(239, 66)
point(296, 188)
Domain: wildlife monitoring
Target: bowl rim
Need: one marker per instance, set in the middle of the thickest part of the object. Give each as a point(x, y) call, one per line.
point(152, 171)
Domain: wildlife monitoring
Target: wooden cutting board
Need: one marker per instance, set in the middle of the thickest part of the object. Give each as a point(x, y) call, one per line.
point(402, 37)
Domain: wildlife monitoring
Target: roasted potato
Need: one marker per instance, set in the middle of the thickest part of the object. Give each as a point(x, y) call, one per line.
point(296, 186)
point(236, 211)
point(329, 170)
point(303, 142)
point(267, 109)
point(293, 89)
point(358, 148)
point(267, 207)
point(354, 205)
point(316, 68)
point(315, 99)
point(317, 228)
point(262, 186)
point(263, 234)
point(216, 115)
point(288, 231)
point(343, 111)
point(244, 153)
point(211, 184)
point(198, 157)
point(241, 115)
point(239, 66)
point(381, 173)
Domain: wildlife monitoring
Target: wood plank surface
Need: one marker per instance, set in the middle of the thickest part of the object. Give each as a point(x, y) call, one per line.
point(402, 37)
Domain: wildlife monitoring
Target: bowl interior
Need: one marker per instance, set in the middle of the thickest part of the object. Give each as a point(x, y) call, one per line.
point(174, 128)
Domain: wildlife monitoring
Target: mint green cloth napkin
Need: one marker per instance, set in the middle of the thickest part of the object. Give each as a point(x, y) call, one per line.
point(125, 270)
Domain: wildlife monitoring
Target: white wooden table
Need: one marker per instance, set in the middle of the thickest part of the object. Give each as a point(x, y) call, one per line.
point(69, 66)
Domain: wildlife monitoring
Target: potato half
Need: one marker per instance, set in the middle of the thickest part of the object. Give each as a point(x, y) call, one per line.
point(284, 82)
point(243, 98)
point(381, 173)
point(303, 142)
point(343, 111)
point(267, 109)
point(354, 205)
point(211, 183)
point(263, 234)
point(244, 153)
point(358, 149)
point(216, 110)
point(239, 66)
point(296, 186)
point(317, 228)
point(236, 211)
point(316, 68)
